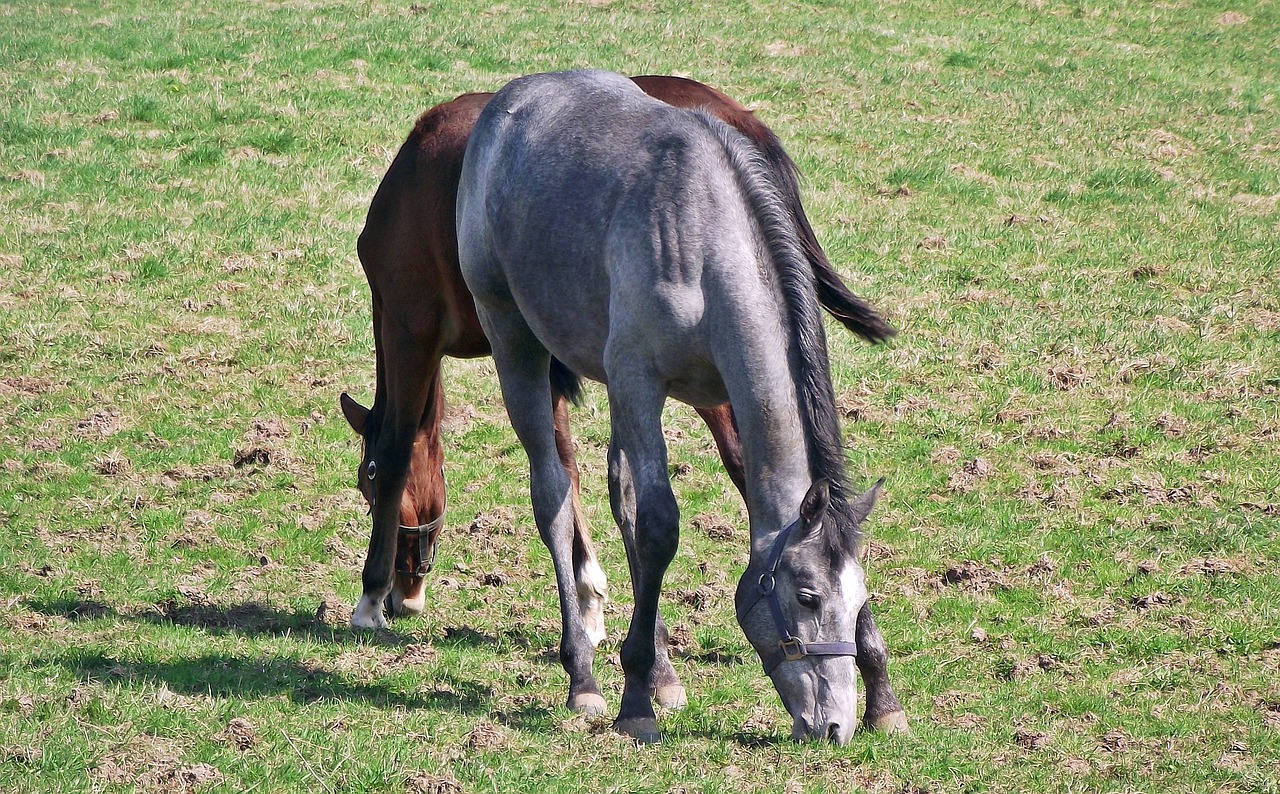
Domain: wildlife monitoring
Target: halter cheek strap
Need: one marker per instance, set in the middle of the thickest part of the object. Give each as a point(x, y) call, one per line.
point(790, 648)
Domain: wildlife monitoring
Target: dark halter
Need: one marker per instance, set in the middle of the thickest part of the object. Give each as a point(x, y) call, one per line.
point(790, 648)
point(428, 561)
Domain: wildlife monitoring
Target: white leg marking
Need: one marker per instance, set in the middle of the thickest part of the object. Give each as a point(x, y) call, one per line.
point(408, 606)
point(368, 613)
point(592, 595)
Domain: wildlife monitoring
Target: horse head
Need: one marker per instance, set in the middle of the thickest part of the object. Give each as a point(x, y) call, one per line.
point(799, 605)
point(418, 532)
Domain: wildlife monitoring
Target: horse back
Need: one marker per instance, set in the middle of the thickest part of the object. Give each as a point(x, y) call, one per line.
point(408, 247)
point(607, 219)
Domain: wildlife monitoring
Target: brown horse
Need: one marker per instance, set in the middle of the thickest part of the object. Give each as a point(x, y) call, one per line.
point(423, 311)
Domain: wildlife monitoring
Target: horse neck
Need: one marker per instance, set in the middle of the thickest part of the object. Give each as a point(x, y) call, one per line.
point(761, 372)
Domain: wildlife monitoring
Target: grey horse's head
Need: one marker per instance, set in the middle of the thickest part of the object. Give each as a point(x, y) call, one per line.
point(810, 587)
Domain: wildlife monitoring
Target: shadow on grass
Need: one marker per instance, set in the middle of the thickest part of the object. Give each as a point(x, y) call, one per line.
point(222, 675)
point(249, 619)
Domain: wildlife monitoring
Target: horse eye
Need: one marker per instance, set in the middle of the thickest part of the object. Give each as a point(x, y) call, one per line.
point(807, 599)
point(372, 470)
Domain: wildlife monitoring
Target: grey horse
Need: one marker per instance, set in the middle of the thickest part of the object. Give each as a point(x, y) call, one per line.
point(648, 248)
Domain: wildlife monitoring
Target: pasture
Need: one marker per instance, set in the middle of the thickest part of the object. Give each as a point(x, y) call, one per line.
point(1068, 209)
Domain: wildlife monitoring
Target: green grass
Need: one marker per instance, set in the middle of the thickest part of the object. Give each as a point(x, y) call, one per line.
point(1069, 210)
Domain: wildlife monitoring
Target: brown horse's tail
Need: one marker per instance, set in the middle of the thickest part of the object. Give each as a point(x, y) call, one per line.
point(565, 382)
point(851, 311)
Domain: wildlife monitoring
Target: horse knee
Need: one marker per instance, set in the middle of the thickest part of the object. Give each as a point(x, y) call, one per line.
point(658, 528)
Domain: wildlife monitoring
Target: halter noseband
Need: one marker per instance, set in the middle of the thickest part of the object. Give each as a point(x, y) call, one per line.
point(427, 562)
point(789, 648)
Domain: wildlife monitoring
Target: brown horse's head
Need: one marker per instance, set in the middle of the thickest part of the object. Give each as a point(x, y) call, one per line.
point(421, 504)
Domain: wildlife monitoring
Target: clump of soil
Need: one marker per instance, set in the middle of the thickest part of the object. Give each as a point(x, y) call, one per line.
point(973, 576)
point(423, 783)
point(333, 612)
point(240, 734)
point(486, 736)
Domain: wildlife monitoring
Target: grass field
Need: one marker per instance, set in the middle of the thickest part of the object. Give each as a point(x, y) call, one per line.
point(1069, 210)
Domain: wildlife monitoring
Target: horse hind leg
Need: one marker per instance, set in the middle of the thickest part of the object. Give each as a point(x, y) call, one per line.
point(522, 364)
point(589, 577)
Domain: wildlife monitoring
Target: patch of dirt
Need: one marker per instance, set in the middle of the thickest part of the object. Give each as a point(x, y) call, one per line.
point(240, 734)
point(934, 242)
point(1216, 566)
point(969, 475)
point(499, 521)
point(1068, 376)
point(260, 456)
point(99, 425)
point(263, 430)
point(1114, 741)
point(1270, 714)
point(1150, 600)
point(423, 783)
point(333, 612)
point(1030, 740)
point(205, 472)
point(113, 464)
point(784, 49)
point(419, 653)
point(24, 386)
point(486, 737)
point(714, 527)
point(1232, 18)
point(974, 577)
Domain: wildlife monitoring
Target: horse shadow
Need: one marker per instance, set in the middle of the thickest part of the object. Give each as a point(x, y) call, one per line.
point(228, 676)
point(245, 619)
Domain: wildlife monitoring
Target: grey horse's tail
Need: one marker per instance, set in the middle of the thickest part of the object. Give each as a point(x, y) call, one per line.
point(565, 382)
point(848, 309)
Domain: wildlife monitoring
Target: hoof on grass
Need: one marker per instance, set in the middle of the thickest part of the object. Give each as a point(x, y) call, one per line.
point(368, 614)
point(588, 703)
point(670, 697)
point(893, 722)
point(643, 729)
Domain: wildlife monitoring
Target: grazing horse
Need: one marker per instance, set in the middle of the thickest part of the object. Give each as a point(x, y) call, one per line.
point(652, 249)
point(423, 311)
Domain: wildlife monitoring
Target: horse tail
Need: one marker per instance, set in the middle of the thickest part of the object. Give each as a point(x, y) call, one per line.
point(565, 382)
point(815, 394)
point(848, 309)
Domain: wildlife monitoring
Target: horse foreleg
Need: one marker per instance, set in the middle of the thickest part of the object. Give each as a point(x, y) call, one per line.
point(422, 502)
point(388, 470)
point(884, 712)
point(725, 432)
point(589, 578)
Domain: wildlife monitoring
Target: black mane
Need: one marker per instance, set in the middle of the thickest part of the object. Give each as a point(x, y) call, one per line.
point(814, 392)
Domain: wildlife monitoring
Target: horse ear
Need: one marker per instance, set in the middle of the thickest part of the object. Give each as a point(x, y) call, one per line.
point(813, 507)
point(861, 508)
point(355, 413)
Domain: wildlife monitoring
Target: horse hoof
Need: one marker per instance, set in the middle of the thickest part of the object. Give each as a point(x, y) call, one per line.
point(588, 703)
point(400, 606)
point(893, 722)
point(368, 614)
point(643, 729)
point(670, 697)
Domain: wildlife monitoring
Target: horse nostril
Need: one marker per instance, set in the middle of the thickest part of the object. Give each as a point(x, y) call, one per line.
point(833, 732)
